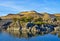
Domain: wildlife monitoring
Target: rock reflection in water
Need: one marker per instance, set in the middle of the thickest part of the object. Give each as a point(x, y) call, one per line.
point(56, 33)
point(59, 34)
point(25, 34)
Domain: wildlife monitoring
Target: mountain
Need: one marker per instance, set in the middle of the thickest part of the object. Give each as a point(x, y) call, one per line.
point(28, 17)
point(34, 14)
point(23, 14)
point(31, 14)
point(11, 16)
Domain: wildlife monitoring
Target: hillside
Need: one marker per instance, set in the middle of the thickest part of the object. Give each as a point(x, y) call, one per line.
point(24, 19)
point(34, 14)
point(23, 14)
point(57, 16)
point(11, 16)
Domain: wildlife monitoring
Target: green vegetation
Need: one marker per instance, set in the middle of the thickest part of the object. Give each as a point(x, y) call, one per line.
point(29, 19)
point(16, 20)
point(25, 19)
point(39, 23)
point(57, 17)
point(38, 19)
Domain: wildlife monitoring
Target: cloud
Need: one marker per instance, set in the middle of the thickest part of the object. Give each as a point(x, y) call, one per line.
point(46, 8)
point(24, 5)
point(50, 10)
point(13, 5)
point(10, 6)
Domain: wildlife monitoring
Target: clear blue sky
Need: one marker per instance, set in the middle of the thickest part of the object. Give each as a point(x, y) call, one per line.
point(16, 6)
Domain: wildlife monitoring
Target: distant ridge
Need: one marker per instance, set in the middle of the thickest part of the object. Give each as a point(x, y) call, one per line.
point(31, 13)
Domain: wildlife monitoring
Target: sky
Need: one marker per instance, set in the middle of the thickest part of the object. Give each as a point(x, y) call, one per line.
point(16, 6)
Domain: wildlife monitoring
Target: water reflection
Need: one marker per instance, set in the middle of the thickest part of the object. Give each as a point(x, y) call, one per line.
point(19, 34)
point(59, 34)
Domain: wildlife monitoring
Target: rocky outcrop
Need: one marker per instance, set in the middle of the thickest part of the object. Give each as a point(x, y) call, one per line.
point(4, 24)
point(45, 17)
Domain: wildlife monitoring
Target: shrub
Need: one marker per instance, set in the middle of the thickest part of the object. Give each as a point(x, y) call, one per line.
point(38, 19)
point(39, 23)
point(26, 19)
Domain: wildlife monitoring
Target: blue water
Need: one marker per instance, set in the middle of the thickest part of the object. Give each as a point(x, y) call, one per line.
point(4, 36)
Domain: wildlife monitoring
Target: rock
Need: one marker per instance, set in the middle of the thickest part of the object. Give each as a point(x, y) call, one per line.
point(0, 19)
point(33, 29)
point(56, 28)
point(29, 24)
